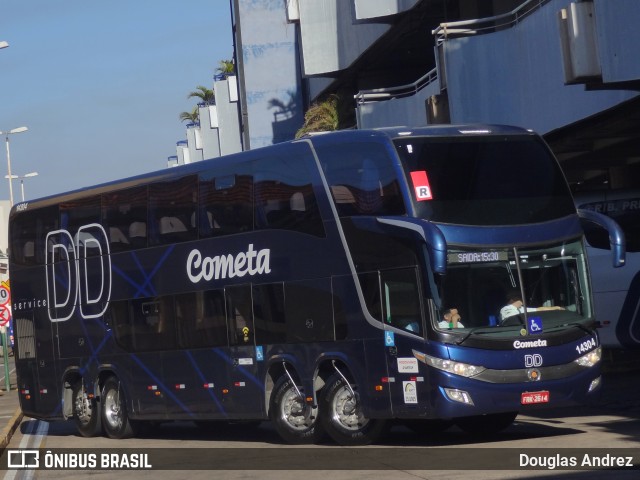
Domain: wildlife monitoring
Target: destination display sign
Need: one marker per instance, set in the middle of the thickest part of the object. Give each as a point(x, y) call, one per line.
point(477, 257)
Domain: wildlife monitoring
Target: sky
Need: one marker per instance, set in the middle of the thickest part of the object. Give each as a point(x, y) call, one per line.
point(100, 85)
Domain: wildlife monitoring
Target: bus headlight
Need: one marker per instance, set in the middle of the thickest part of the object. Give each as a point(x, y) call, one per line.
point(457, 368)
point(590, 359)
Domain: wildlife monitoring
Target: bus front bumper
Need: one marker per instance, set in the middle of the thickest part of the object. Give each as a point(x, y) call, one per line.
point(457, 396)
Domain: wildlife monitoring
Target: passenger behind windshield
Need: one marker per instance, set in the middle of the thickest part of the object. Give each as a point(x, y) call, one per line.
point(515, 306)
point(451, 319)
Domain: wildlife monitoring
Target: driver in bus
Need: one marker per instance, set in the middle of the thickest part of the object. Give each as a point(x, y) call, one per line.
point(451, 319)
point(515, 306)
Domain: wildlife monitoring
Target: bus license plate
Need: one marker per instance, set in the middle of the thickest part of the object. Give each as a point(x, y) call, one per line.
point(532, 398)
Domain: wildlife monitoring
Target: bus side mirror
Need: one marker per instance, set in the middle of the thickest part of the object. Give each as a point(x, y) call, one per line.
point(430, 233)
point(617, 240)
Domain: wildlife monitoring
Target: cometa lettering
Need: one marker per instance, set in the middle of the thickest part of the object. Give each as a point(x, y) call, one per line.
point(251, 263)
point(530, 344)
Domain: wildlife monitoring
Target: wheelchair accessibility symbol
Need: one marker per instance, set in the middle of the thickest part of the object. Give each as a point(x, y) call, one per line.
point(534, 325)
point(389, 340)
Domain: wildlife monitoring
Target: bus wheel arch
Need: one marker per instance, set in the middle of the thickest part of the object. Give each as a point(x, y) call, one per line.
point(294, 418)
point(341, 412)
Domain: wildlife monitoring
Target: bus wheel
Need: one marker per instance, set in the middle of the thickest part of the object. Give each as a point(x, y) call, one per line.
point(86, 414)
point(342, 417)
point(485, 425)
point(293, 418)
point(115, 418)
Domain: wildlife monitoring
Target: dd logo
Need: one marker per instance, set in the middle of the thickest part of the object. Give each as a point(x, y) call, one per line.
point(78, 272)
point(534, 360)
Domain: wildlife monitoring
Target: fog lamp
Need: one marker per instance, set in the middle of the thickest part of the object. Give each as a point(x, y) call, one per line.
point(458, 396)
point(595, 383)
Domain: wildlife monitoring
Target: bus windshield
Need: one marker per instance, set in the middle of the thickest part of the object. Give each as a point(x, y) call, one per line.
point(485, 180)
point(496, 288)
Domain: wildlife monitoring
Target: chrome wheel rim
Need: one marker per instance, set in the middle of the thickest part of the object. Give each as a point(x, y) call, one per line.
point(346, 410)
point(83, 409)
point(294, 412)
point(113, 409)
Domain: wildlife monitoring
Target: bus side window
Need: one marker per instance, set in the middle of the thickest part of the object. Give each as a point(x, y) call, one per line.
point(117, 239)
point(305, 212)
point(29, 252)
point(283, 194)
point(344, 199)
point(119, 319)
point(363, 179)
point(201, 321)
point(401, 299)
point(225, 204)
point(309, 311)
point(159, 318)
point(239, 307)
point(268, 311)
point(144, 324)
point(370, 285)
point(138, 234)
point(124, 216)
point(28, 233)
point(172, 205)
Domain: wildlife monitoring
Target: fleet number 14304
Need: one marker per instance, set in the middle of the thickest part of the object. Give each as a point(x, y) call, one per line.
point(587, 345)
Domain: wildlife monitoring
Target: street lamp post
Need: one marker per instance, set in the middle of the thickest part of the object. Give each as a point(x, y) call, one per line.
point(5, 349)
point(22, 177)
point(6, 134)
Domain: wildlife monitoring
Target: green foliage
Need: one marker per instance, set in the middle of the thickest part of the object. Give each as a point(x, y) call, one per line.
point(191, 117)
point(226, 68)
point(205, 94)
point(321, 117)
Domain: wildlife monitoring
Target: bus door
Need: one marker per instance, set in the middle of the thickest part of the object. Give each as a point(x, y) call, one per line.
point(246, 389)
point(402, 310)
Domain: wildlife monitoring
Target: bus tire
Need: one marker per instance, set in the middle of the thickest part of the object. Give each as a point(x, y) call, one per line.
point(293, 418)
point(342, 418)
point(115, 418)
point(86, 412)
point(486, 425)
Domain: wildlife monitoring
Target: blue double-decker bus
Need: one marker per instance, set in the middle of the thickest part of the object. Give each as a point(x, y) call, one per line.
point(333, 285)
point(616, 294)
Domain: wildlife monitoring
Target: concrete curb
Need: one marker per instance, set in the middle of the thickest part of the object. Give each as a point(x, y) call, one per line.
point(7, 431)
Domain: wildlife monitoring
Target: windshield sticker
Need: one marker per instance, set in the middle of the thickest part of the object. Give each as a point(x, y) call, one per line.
point(421, 185)
point(408, 365)
point(389, 340)
point(410, 392)
point(534, 325)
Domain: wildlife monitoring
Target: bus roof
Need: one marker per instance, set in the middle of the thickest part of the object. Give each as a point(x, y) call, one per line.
point(382, 134)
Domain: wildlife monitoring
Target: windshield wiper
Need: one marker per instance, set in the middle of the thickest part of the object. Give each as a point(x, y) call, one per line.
point(471, 332)
point(574, 324)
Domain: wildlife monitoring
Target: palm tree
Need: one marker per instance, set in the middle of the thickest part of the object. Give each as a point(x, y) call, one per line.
point(321, 117)
point(192, 117)
point(205, 94)
point(225, 69)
